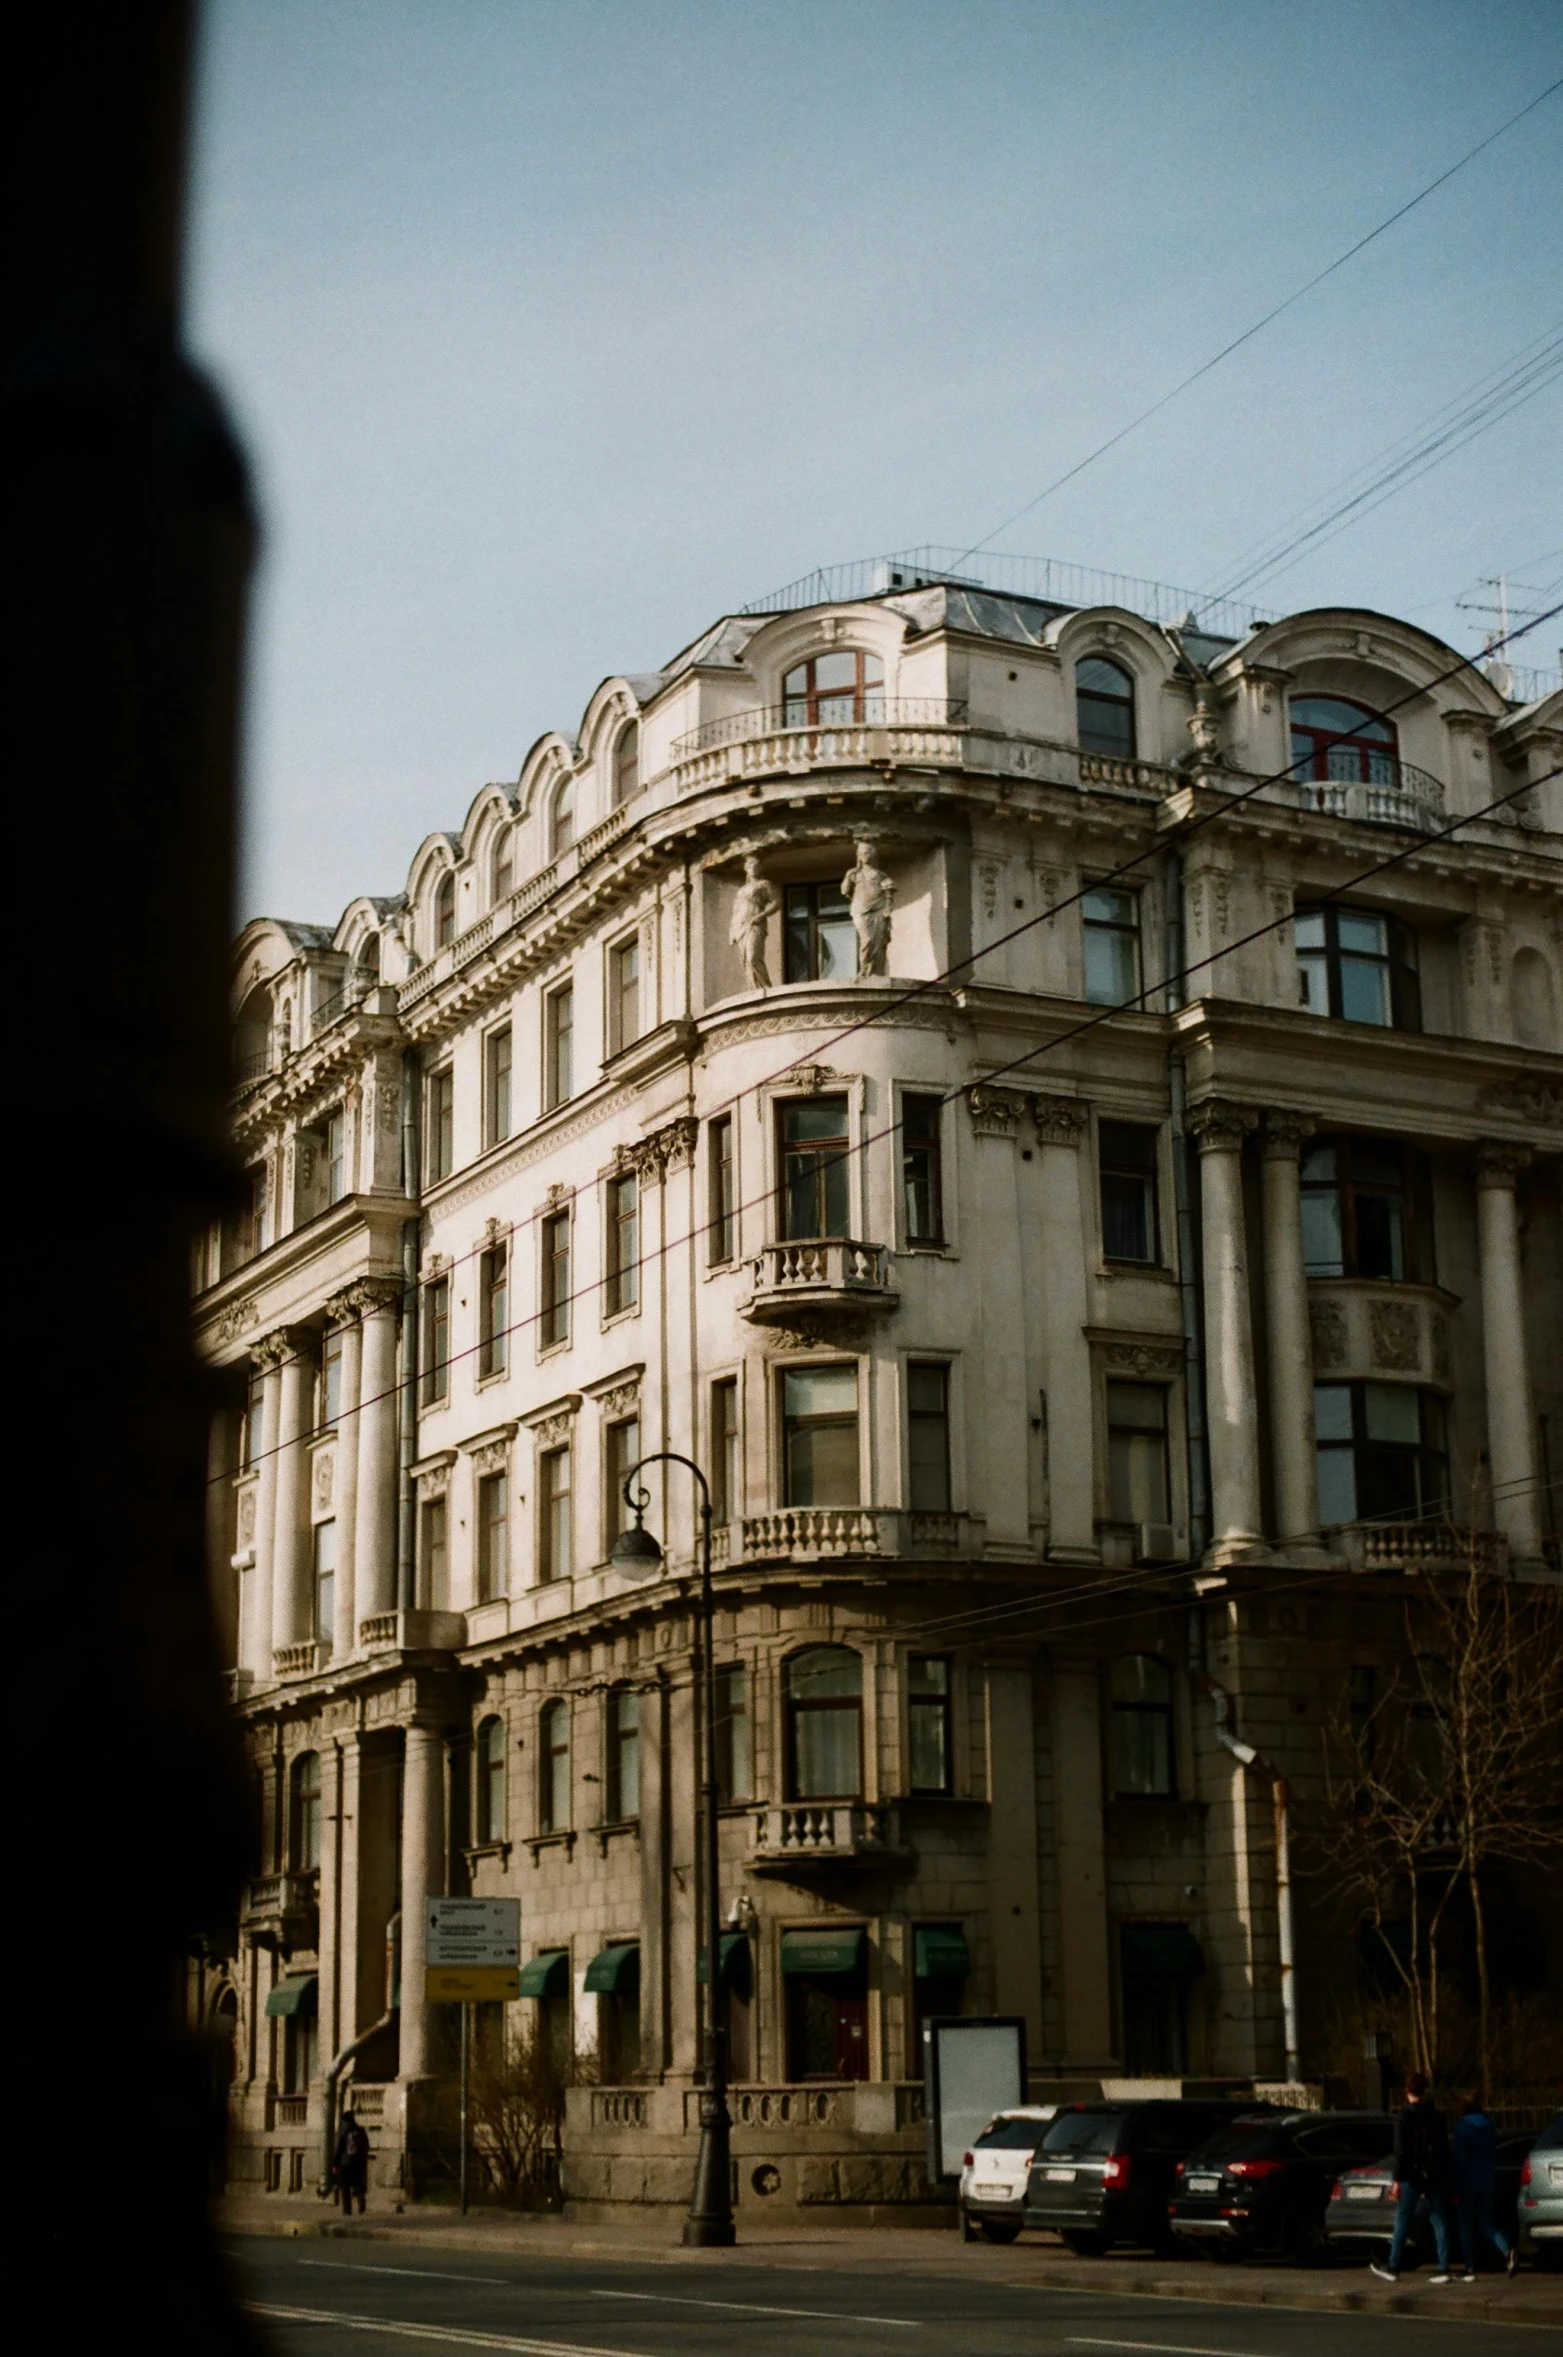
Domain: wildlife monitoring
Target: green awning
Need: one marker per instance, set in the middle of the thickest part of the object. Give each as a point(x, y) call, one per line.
point(547, 1975)
point(1161, 1952)
point(295, 2000)
point(830, 1949)
point(737, 1963)
point(614, 1972)
point(940, 1953)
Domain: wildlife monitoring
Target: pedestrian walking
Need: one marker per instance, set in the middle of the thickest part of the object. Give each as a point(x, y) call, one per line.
point(1475, 2160)
point(350, 2164)
point(1421, 2179)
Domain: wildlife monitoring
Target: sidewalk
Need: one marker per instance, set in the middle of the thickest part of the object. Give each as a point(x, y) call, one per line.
point(1031, 2263)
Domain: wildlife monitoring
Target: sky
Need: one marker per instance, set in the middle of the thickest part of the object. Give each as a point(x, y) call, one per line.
point(555, 330)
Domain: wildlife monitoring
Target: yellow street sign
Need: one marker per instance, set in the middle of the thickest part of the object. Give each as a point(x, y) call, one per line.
point(471, 1984)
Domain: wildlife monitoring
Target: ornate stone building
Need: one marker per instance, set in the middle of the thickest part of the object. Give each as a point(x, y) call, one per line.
point(1072, 1388)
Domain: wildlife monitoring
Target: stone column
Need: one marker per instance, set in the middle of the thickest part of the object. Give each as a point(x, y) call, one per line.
point(423, 1877)
point(291, 1618)
point(332, 1832)
point(1511, 1422)
point(1231, 1408)
point(1014, 1897)
point(999, 1403)
point(256, 1656)
point(343, 1313)
point(1084, 1966)
point(374, 1543)
point(655, 1880)
point(1071, 1429)
point(1290, 1347)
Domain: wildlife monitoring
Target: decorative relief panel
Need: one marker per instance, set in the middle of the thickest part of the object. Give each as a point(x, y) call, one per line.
point(237, 1319)
point(1327, 1325)
point(554, 1431)
point(324, 1482)
point(1363, 1328)
point(492, 1457)
point(1396, 1331)
point(246, 1518)
point(622, 1400)
point(995, 1112)
point(1059, 1121)
point(1144, 1358)
point(825, 1330)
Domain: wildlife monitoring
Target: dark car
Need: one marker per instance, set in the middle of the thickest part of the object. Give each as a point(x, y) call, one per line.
point(1361, 2210)
point(1104, 2171)
point(1262, 2186)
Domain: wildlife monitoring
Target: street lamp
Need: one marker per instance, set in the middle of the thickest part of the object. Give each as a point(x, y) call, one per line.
point(636, 1551)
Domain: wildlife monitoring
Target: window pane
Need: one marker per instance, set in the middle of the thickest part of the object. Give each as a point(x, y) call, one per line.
point(1141, 1678)
point(825, 1673)
point(822, 1465)
point(1362, 933)
point(836, 946)
point(1140, 1406)
point(1308, 928)
point(1337, 1485)
point(1099, 677)
point(825, 1753)
point(1332, 1411)
point(835, 670)
point(1313, 985)
point(1381, 1237)
point(1323, 1252)
point(1142, 1751)
point(820, 1391)
point(1364, 991)
point(806, 1118)
point(1125, 1217)
point(732, 1732)
point(1390, 1412)
point(929, 1732)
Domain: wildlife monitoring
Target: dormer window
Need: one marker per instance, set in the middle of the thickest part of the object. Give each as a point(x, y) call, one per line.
point(1104, 708)
point(1341, 742)
point(504, 871)
point(445, 909)
point(561, 818)
point(626, 764)
point(834, 690)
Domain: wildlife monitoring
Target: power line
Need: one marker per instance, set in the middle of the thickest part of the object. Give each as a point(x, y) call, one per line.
point(1249, 333)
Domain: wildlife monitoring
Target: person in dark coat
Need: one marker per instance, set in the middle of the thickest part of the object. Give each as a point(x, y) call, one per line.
point(350, 2164)
point(1475, 2162)
point(1421, 2179)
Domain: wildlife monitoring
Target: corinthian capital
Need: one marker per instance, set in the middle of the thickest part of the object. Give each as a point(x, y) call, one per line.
point(1499, 1164)
point(1220, 1124)
point(1285, 1130)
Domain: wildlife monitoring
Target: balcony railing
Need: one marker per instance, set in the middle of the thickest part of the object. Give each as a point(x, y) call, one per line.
point(831, 1272)
point(829, 1533)
point(1421, 1546)
point(281, 1910)
point(1404, 797)
point(770, 720)
point(825, 1833)
point(301, 1661)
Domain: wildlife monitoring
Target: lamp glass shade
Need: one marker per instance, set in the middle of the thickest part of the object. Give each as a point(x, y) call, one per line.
point(636, 1552)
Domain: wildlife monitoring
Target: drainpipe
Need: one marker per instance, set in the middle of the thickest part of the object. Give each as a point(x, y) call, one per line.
point(407, 1397)
point(355, 2047)
point(1281, 1802)
point(1190, 1304)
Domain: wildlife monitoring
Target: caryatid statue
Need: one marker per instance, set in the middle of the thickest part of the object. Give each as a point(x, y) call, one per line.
point(870, 895)
point(753, 910)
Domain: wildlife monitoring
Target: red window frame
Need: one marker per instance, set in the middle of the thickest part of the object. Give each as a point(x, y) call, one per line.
point(810, 695)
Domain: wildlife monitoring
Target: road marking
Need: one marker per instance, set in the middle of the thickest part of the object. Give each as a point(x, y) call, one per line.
point(1080, 2340)
point(431, 2274)
point(763, 2308)
point(451, 2335)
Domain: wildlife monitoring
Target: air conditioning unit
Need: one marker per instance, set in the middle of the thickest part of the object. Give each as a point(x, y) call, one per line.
point(1156, 1542)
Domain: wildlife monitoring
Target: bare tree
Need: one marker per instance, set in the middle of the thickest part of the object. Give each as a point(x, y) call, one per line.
point(517, 2100)
point(1451, 1769)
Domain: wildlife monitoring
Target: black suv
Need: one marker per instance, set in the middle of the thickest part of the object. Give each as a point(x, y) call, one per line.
point(1263, 2184)
point(1103, 2173)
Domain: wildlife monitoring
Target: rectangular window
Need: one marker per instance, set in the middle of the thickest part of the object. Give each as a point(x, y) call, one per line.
point(928, 1722)
point(555, 1520)
point(819, 1436)
point(440, 1110)
point(1367, 1210)
point(1357, 967)
point(928, 1437)
point(554, 1324)
point(325, 1580)
point(922, 1187)
point(727, 1471)
point(734, 1776)
point(815, 1193)
point(433, 1559)
point(246, 1234)
point(331, 1378)
point(1111, 920)
point(724, 1201)
point(493, 1536)
point(1128, 1182)
point(252, 1436)
point(334, 1154)
point(497, 1061)
point(436, 1341)
point(493, 1310)
point(623, 994)
point(1382, 1453)
point(558, 1047)
point(1137, 1485)
point(621, 1451)
point(623, 1755)
point(820, 941)
point(623, 1240)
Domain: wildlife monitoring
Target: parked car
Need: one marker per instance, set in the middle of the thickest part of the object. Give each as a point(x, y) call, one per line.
point(1361, 2209)
point(993, 2173)
point(1105, 2170)
point(1262, 2186)
point(1540, 2206)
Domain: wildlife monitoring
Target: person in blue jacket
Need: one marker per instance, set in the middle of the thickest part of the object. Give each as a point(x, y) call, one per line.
point(1475, 2155)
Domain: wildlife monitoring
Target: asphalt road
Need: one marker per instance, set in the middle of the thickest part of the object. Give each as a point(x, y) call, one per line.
point(315, 2305)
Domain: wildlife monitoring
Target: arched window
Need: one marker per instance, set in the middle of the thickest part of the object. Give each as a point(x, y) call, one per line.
point(1141, 1724)
point(825, 1723)
point(304, 1813)
point(445, 909)
point(252, 1036)
point(502, 878)
point(491, 1780)
point(623, 1754)
point(366, 965)
point(553, 1737)
point(626, 763)
point(829, 691)
point(1334, 739)
point(1104, 708)
point(561, 818)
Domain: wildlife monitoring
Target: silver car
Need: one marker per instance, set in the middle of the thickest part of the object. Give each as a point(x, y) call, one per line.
point(994, 2172)
point(1541, 2198)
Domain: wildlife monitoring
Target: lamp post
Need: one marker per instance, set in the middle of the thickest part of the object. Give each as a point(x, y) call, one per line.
point(636, 1551)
